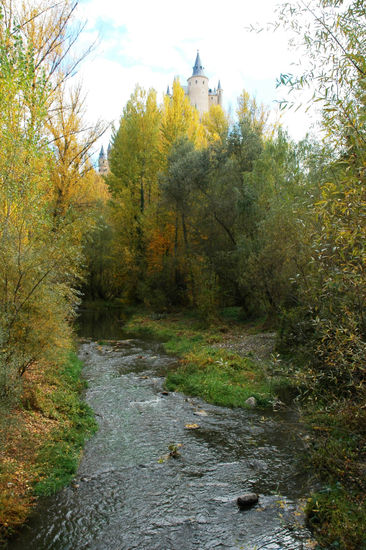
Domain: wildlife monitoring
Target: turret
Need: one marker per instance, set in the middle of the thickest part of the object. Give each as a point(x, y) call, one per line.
point(198, 87)
point(219, 94)
point(103, 162)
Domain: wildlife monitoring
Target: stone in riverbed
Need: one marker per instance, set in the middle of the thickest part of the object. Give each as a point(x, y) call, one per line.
point(248, 500)
point(200, 413)
point(251, 402)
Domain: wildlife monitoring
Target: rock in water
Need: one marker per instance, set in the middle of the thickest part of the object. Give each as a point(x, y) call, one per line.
point(200, 413)
point(251, 402)
point(248, 500)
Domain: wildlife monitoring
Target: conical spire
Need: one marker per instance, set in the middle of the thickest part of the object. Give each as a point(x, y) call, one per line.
point(198, 67)
point(102, 154)
point(219, 86)
point(168, 91)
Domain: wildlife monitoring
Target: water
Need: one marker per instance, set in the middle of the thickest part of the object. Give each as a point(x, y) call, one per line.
point(129, 494)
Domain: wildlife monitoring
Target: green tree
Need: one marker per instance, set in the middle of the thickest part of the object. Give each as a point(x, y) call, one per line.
point(334, 41)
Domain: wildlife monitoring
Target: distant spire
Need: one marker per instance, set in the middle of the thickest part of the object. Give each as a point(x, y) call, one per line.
point(219, 86)
point(102, 154)
point(109, 148)
point(168, 91)
point(198, 67)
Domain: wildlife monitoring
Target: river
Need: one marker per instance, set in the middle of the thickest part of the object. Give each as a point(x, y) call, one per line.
point(130, 494)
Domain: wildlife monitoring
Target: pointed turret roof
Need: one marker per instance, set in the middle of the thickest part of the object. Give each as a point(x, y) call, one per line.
point(219, 86)
point(198, 67)
point(101, 154)
point(168, 91)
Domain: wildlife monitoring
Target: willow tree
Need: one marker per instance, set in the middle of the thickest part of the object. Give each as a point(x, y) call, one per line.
point(332, 35)
point(40, 259)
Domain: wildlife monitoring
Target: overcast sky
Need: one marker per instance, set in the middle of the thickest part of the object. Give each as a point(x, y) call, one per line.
point(150, 43)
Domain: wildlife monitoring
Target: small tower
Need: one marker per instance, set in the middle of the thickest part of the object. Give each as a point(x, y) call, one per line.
point(219, 94)
point(198, 87)
point(103, 162)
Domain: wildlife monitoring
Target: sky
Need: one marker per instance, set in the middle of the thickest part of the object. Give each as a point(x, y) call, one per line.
point(150, 43)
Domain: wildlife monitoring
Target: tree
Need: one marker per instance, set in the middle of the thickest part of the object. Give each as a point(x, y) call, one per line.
point(45, 178)
point(180, 119)
point(135, 159)
point(334, 41)
point(216, 124)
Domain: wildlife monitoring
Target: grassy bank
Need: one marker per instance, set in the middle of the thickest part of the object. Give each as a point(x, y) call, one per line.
point(337, 512)
point(42, 440)
point(218, 375)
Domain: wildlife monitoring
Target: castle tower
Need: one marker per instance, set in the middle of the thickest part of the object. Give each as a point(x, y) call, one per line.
point(199, 94)
point(103, 165)
point(219, 94)
point(198, 87)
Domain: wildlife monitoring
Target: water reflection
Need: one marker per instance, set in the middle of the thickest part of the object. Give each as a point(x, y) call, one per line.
point(101, 323)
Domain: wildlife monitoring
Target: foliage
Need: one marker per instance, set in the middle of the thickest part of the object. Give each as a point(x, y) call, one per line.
point(45, 188)
point(327, 326)
point(333, 292)
point(336, 512)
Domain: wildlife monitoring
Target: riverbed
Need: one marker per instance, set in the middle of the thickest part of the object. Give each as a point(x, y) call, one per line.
point(164, 470)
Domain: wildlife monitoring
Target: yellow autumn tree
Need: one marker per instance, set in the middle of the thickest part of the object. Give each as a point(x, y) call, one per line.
point(255, 114)
point(215, 123)
point(135, 160)
point(180, 119)
point(45, 186)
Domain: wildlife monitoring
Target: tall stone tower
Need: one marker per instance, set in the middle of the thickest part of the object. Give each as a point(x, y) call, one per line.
point(198, 87)
point(103, 164)
point(200, 95)
point(198, 91)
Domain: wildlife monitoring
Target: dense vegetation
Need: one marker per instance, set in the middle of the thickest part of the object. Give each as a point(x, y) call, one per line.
point(48, 195)
point(199, 214)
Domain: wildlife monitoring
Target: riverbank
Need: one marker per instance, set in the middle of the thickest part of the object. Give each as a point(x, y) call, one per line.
point(42, 440)
point(222, 365)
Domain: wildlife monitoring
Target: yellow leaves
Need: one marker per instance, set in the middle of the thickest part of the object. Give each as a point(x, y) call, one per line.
point(249, 110)
point(160, 245)
point(216, 123)
point(191, 426)
point(180, 119)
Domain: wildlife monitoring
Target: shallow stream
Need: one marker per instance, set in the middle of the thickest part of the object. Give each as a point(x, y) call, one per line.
point(129, 494)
